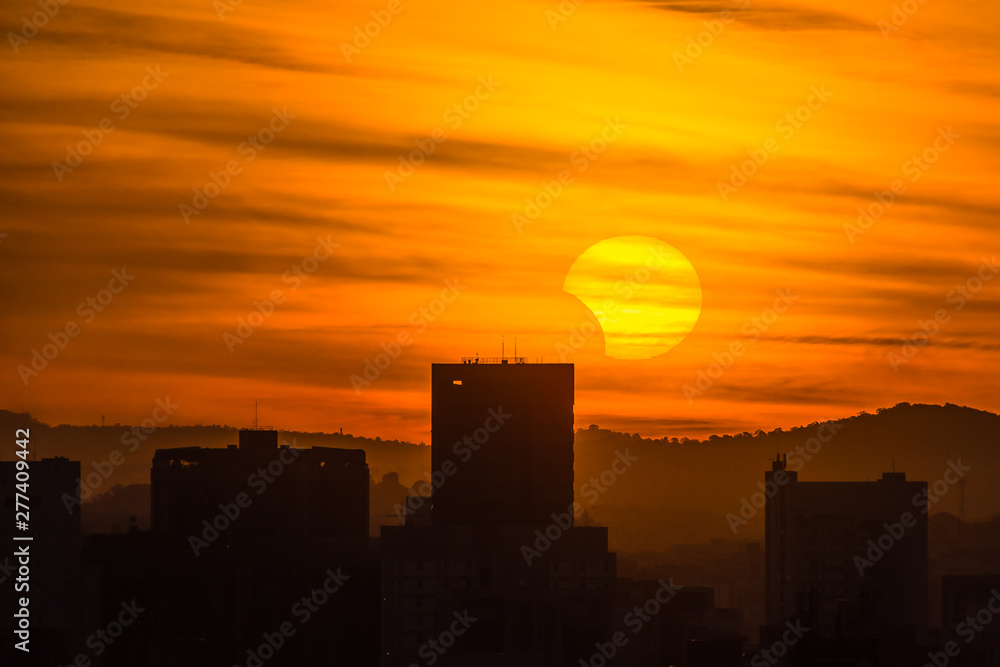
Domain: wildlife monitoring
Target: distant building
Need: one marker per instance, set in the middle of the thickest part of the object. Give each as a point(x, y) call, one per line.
point(958, 547)
point(688, 630)
point(319, 493)
point(848, 559)
point(970, 615)
point(506, 427)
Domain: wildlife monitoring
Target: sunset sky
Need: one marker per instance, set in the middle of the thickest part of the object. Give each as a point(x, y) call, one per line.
point(497, 102)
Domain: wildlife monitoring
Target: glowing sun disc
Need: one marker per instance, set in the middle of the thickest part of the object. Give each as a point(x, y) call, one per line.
point(645, 294)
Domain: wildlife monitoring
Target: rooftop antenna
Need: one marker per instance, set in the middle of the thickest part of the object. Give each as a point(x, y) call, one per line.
point(255, 414)
point(501, 346)
point(515, 348)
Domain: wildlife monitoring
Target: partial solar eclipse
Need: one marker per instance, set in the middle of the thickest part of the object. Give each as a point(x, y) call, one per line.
point(645, 294)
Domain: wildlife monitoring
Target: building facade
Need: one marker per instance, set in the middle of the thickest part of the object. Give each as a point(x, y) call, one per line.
point(848, 559)
point(505, 432)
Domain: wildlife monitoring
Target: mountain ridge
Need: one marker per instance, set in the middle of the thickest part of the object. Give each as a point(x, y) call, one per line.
point(679, 489)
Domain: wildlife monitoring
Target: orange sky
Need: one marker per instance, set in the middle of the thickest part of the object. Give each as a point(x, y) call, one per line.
point(552, 87)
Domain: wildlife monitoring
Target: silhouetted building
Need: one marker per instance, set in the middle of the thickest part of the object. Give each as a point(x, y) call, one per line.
point(51, 576)
point(848, 560)
point(120, 573)
point(970, 620)
point(544, 610)
point(667, 624)
point(501, 547)
point(506, 428)
point(958, 547)
point(732, 568)
point(320, 492)
point(258, 537)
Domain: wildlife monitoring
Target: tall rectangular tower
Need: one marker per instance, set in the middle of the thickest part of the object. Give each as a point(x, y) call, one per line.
point(501, 442)
point(849, 557)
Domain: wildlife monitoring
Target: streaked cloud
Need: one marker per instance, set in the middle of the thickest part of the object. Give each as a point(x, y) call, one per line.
point(325, 176)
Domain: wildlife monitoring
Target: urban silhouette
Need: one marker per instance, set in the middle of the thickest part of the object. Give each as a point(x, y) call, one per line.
point(272, 552)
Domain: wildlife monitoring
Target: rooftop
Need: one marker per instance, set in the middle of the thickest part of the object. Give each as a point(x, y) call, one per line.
point(494, 360)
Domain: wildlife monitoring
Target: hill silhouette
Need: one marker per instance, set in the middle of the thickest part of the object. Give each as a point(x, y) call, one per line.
point(681, 491)
point(678, 491)
point(90, 444)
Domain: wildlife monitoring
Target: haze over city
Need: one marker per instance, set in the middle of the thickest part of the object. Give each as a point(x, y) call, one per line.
point(557, 333)
point(189, 88)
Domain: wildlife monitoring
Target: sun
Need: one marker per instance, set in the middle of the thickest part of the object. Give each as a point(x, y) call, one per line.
point(645, 294)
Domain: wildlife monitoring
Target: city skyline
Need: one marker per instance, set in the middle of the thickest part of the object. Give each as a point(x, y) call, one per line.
point(830, 111)
point(497, 573)
point(557, 333)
